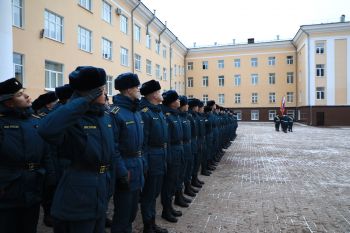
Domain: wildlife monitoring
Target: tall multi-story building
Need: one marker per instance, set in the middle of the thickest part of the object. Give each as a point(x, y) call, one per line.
point(311, 71)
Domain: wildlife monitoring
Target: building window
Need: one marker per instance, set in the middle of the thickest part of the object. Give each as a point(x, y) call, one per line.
point(290, 97)
point(290, 77)
point(221, 64)
point(254, 62)
point(106, 49)
point(255, 78)
point(137, 62)
point(221, 98)
point(86, 4)
point(254, 115)
point(272, 78)
point(319, 70)
point(158, 71)
point(84, 41)
point(221, 80)
point(239, 115)
point(237, 63)
point(148, 67)
point(53, 26)
point(137, 32)
point(18, 67)
point(319, 48)
point(124, 56)
point(17, 13)
point(205, 81)
point(205, 65)
point(272, 97)
point(157, 47)
point(319, 93)
point(164, 51)
point(254, 98)
point(190, 82)
point(53, 75)
point(124, 24)
point(272, 61)
point(164, 74)
point(148, 41)
point(290, 60)
point(237, 79)
point(237, 98)
point(106, 12)
point(272, 114)
point(109, 85)
point(205, 99)
point(175, 70)
point(189, 65)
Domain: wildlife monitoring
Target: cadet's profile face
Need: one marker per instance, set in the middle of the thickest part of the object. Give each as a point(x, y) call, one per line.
point(175, 104)
point(184, 108)
point(158, 96)
point(134, 92)
point(201, 110)
point(19, 100)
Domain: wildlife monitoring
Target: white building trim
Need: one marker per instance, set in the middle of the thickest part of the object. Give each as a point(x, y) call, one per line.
point(240, 55)
point(6, 41)
point(330, 72)
point(312, 69)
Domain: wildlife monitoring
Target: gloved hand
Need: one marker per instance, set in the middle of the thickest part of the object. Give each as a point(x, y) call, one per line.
point(123, 183)
point(93, 94)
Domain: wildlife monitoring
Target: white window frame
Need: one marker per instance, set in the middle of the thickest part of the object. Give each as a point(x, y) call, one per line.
point(272, 114)
point(107, 12)
point(84, 39)
point(189, 65)
point(124, 24)
point(124, 56)
point(205, 98)
point(205, 65)
point(54, 26)
point(158, 72)
point(18, 66)
point(237, 79)
point(221, 80)
point(272, 61)
point(237, 98)
point(319, 48)
point(254, 115)
point(157, 47)
point(221, 64)
point(255, 97)
point(272, 97)
point(175, 70)
point(190, 82)
point(272, 78)
point(320, 70)
point(290, 60)
point(239, 114)
point(109, 85)
point(148, 67)
point(255, 79)
point(58, 76)
point(237, 62)
point(290, 97)
point(87, 4)
point(290, 77)
point(320, 93)
point(17, 13)
point(221, 98)
point(205, 81)
point(107, 49)
point(137, 62)
point(137, 33)
point(254, 62)
point(148, 41)
point(164, 73)
point(164, 51)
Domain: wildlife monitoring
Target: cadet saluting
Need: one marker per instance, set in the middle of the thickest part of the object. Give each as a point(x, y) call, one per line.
point(83, 132)
point(24, 161)
point(129, 141)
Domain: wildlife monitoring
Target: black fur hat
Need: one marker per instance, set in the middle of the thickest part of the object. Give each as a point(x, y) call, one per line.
point(44, 99)
point(169, 97)
point(64, 92)
point(150, 87)
point(8, 88)
point(86, 78)
point(126, 80)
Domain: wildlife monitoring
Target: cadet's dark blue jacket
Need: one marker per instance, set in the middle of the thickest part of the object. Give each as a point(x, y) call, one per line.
point(129, 138)
point(175, 136)
point(24, 159)
point(193, 117)
point(187, 137)
point(155, 141)
point(84, 134)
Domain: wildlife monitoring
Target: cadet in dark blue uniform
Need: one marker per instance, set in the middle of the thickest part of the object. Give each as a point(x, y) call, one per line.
point(45, 103)
point(129, 139)
point(277, 121)
point(155, 141)
point(290, 123)
point(63, 94)
point(83, 132)
point(24, 161)
point(284, 123)
point(180, 199)
point(175, 156)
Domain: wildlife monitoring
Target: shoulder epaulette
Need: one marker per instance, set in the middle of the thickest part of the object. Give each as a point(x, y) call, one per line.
point(168, 113)
point(145, 109)
point(36, 116)
point(115, 110)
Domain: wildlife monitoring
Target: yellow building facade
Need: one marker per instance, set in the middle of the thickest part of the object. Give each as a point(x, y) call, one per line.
point(311, 71)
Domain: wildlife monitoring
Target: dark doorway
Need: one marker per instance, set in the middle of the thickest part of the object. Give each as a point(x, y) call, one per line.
point(319, 118)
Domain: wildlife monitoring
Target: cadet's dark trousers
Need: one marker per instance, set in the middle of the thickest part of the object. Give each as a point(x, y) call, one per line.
point(86, 226)
point(150, 192)
point(277, 126)
point(19, 220)
point(190, 159)
point(169, 185)
point(205, 156)
point(184, 166)
point(125, 210)
point(198, 157)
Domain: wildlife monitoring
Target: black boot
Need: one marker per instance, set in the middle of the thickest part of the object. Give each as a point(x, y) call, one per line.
point(108, 222)
point(195, 183)
point(188, 190)
point(199, 181)
point(48, 221)
point(205, 173)
point(179, 201)
point(193, 189)
point(211, 168)
point(156, 228)
point(148, 227)
point(167, 215)
point(176, 213)
point(187, 200)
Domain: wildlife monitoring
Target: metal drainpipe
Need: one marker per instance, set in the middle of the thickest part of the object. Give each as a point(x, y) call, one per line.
point(171, 54)
point(132, 36)
point(308, 74)
point(147, 29)
point(161, 34)
point(296, 76)
point(185, 74)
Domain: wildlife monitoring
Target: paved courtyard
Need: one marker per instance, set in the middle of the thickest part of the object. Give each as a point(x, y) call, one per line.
point(273, 182)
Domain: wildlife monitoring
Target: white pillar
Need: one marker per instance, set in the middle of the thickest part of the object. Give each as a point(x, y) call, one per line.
point(6, 43)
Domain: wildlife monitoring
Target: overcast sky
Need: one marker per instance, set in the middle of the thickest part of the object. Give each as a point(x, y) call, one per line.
point(209, 21)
